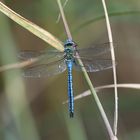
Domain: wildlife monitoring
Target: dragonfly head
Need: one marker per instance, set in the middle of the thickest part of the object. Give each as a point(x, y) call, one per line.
point(68, 43)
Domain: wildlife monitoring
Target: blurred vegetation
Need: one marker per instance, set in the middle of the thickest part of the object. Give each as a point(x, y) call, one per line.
point(32, 108)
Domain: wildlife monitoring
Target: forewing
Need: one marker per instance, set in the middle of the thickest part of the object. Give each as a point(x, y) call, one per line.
point(95, 50)
point(45, 70)
point(93, 65)
point(28, 54)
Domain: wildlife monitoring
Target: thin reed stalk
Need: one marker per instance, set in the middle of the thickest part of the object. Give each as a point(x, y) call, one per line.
point(122, 85)
point(114, 66)
point(17, 65)
point(58, 18)
point(103, 114)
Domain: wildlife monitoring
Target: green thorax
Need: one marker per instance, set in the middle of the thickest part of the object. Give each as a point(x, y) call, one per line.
point(69, 49)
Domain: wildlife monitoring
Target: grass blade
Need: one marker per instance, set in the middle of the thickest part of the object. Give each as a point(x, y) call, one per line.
point(100, 107)
point(114, 66)
point(17, 65)
point(123, 85)
point(36, 30)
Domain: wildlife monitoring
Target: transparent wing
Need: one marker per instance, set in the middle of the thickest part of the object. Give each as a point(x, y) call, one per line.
point(95, 50)
point(93, 65)
point(45, 70)
point(27, 54)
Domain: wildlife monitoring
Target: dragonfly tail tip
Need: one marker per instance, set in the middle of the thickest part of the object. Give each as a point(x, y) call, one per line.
point(71, 114)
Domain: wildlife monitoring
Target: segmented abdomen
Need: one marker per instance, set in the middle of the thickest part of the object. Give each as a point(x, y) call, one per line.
point(70, 88)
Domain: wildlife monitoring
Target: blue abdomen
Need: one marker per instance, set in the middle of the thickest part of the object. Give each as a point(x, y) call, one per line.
point(70, 88)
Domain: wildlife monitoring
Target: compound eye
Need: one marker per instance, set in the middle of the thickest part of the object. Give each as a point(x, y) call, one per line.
point(69, 43)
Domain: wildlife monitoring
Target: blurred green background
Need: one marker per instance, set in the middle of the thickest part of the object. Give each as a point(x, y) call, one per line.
point(32, 108)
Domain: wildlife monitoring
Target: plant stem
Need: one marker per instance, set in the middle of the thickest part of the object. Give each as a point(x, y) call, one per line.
point(87, 78)
point(64, 20)
point(36, 30)
point(114, 66)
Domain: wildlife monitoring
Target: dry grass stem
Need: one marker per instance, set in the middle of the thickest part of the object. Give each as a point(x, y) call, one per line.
point(58, 18)
point(67, 30)
point(18, 65)
point(114, 66)
point(88, 92)
point(36, 30)
point(103, 114)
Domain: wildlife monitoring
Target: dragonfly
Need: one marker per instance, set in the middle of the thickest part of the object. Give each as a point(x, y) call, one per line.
point(53, 62)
